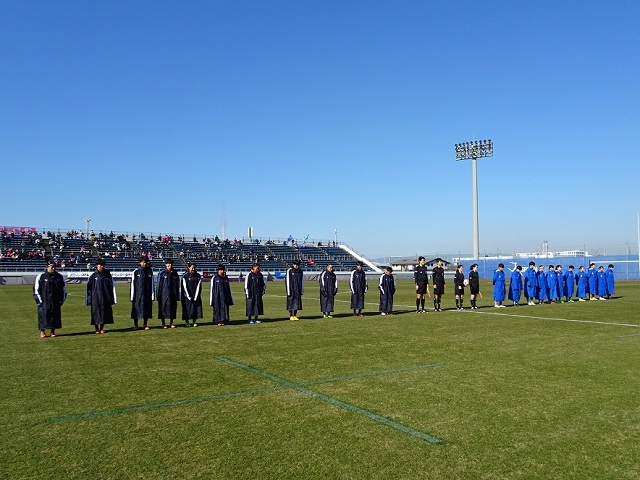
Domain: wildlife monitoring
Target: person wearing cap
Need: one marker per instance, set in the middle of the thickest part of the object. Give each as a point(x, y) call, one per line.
point(474, 285)
point(220, 297)
point(437, 278)
point(602, 283)
point(542, 291)
point(569, 284)
point(530, 283)
point(101, 295)
point(359, 286)
point(295, 289)
point(387, 288)
point(582, 280)
point(142, 293)
point(611, 281)
point(254, 289)
point(515, 285)
point(168, 294)
point(499, 286)
point(50, 293)
point(592, 276)
point(328, 290)
point(190, 294)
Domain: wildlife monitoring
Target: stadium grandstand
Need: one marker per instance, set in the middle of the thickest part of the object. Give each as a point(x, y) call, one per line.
point(27, 249)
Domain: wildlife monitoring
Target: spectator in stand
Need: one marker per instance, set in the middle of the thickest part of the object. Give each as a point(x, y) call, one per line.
point(142, 293)
point(168, 294)
point(50, 293)
point(101, 295)
point(191, 291)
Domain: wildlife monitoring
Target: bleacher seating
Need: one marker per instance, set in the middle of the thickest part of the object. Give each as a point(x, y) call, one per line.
point(121, 254)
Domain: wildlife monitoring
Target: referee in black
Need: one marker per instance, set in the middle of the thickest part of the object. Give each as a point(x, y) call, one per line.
point(421, 276)
point(438, 284)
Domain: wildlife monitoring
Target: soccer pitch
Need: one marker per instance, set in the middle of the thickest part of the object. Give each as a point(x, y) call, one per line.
point(549, 391)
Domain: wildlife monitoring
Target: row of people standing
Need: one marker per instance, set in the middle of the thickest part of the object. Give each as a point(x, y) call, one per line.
point(554, 285)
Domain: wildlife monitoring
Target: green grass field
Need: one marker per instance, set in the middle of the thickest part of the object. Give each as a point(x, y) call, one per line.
point(550, 391)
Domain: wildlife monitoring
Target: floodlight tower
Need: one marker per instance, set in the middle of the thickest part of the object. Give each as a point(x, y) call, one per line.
point(472, 151)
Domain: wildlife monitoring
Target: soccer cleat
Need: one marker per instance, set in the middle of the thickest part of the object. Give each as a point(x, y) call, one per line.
point(97, 332)
point(164, 326)
point(146, 328)
point(220, 324)
point(53, 334)
point(382, 313)
point(102, 331)
point(194, 324)
point(418, 311)
point(251, 322)
point(329, 316)
point(291, 318)
point(258, 321)
point(43, 335)
point(173, 326)
point(581, 300)
point(602, 298)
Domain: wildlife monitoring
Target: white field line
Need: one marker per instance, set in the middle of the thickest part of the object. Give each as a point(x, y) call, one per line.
point(475, 312)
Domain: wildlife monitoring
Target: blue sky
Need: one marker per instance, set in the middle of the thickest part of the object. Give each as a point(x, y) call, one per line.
point(304, 117)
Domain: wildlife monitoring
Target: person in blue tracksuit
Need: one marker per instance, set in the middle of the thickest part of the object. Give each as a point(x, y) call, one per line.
point(515, 285)
point(602, 283)
point(542, 285)
point(582, 280)
point(592, 275)
point(499, 286)
point(611, 282)
point(560, 283)
point(530, 283)
point(569, 284)
point(552, 284)
point(387, 287)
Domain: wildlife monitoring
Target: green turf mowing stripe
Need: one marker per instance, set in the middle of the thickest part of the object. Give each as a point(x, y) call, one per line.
point(633, 335)
point(371, 374)
point(338, 403)
point(151, 406)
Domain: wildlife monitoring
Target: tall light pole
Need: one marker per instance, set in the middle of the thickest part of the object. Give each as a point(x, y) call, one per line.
point(335, 237)
point(88, 220)
point(472, 151)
